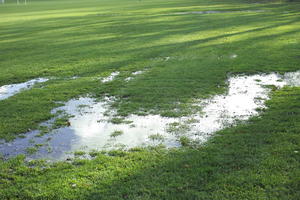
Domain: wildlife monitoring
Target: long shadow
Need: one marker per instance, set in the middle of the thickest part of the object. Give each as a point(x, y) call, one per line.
point(181, 27)
point(179, 80)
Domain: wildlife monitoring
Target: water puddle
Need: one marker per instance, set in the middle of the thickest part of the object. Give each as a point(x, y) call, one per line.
point(292, 78)
point(134, 74)
point(245, 95)
point(7, 91)
point(217, 12)
point(93, 125)
point(91, 129)
point(111, 77)
point(232, 56)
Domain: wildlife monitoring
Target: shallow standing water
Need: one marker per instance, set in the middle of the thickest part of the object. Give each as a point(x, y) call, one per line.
point(111, 77)
point(91, 127)
point(7, 91)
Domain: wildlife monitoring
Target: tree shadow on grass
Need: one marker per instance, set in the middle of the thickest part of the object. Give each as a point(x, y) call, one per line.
point(256, 160)
point(253, 161)
point(197, 68)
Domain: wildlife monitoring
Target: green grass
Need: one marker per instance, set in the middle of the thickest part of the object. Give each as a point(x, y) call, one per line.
point(116, 133)
point(92, 38)
point(79, 153)
point(259, 160)
point(156, 137)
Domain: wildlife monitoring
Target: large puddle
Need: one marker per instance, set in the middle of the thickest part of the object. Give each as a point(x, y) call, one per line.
point(94, 126)
point(7, 91)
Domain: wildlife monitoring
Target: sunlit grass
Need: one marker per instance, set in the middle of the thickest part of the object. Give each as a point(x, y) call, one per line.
point(91, 39)
point(186, 57)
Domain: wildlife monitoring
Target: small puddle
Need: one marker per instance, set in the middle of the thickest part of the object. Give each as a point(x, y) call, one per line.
point(111, 77)
point(134, 74)
point(232, 56)
point(7, 91)
point(93, 125)
point(292, 78)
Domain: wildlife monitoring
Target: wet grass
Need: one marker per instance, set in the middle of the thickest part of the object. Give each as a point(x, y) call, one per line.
point(186, 56)
point(116, 133)
point(258, 160)
point(79, 153)
point(156, 137)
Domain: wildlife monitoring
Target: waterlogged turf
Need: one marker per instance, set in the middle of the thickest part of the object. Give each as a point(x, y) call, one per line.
point(186, 49)
point(259, 160)
point(7, 91)
point(94, 126)
point(186, 56)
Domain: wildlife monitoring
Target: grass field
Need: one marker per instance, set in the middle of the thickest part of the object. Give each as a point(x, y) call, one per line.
point(187, 56)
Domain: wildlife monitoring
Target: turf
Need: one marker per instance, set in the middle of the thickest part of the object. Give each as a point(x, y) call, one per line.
point(258, 160)
point(92, 38)
point(185, 57)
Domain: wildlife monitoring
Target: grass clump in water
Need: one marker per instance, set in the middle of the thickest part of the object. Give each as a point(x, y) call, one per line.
point(116, 133)
point(184, 141)
point(31, 150)
point(79, 153)
point(157, 136)
point(178, 128)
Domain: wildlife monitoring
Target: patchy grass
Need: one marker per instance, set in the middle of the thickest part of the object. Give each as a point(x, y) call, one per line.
point(119, 120)
point(91, 39)
point(79, 153)
point(184, 141)
point(157, 137)
point(259, 160)
point(116, 133)
point(32, 150)
point(178, 128)
point(186, 57)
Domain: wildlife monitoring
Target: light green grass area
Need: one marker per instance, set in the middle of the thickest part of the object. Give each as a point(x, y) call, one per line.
point(93, 38)
point(186, 57)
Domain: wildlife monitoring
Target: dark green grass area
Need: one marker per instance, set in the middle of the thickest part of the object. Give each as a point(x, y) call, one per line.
point(258, 160)
point(186, 56)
